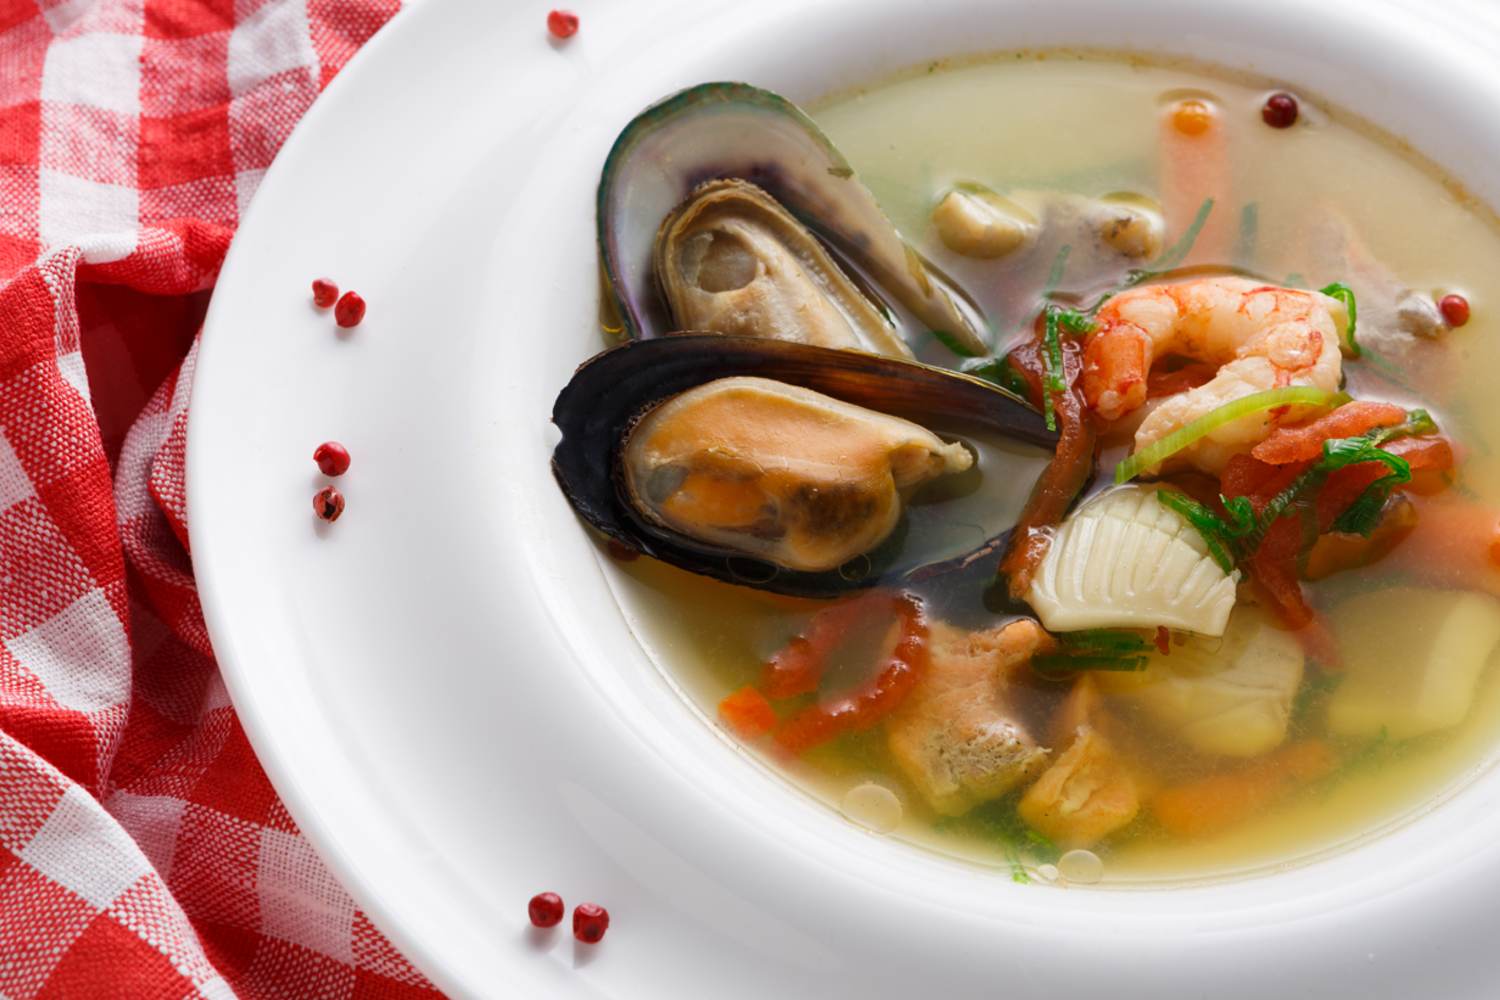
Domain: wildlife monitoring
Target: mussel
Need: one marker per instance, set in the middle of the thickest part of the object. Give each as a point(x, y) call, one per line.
point(797, 186)
point(815, 515)
point(730, 259)
point(779, 472)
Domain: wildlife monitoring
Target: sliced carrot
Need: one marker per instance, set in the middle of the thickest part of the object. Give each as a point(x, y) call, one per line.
point(1213, 804)
point(1455, 543)
point(747, 712)
point(1298, 444)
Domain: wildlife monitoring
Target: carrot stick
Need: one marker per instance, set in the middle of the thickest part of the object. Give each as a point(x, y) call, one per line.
point(747, 712)
point(1220, 801)
point(1195, 167)
point(1455, 543)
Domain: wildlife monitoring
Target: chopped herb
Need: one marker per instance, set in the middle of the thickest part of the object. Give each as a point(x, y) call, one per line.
point(844, 172)
point(1232, 540)
point(1059, 264)
point(998, 822)
point(999, 371)
point(1380, 746)
point(1377, 750)
point(1244, 251)
point(1313, 692)
point(1388, 370)
point(1363, 514)
point(953, 344)
point(1094, 649)
point(1345, 294)
point(1178, 252)
point(1221, 537)
point(1050, 664)
point(1103, 639)
point(1075, 321)
point(1054, 382)
point(1054, 319)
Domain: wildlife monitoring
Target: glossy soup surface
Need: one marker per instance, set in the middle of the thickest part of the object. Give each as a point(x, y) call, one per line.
point(1328, 200)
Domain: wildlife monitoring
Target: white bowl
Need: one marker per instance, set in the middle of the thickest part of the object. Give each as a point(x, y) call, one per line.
point(441, 685)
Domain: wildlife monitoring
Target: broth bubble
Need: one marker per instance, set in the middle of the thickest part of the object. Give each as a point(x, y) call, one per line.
point(873, 806)
point(1083, 867)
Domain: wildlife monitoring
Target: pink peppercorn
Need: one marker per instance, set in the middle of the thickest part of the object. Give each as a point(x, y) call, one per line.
point(590, 921)
point(545, 909)
point(1280, 111)
point(349, 310)
point(1455, 309)
point(562, 23)
point(332, 458)
point(325, 293)
point(328, 503)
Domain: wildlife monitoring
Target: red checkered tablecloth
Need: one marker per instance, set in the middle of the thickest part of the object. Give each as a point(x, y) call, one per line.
point(142, 851)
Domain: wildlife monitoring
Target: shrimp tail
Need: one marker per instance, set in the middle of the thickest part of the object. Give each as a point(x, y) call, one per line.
point(1115, 368)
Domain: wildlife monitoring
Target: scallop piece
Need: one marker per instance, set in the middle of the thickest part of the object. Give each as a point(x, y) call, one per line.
point(780, 472)
point(974, 221)
point(1413, 658)
point(1130, 224)
point(1124, 560)
point(1418, 315)
point(732, 260)
point(1230, 696)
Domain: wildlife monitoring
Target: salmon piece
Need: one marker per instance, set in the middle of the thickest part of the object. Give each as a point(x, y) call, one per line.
point(1087, 794)
point(955, 737)
point(1083, 706)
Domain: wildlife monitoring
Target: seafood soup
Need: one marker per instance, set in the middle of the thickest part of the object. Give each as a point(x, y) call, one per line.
point(1105, 493)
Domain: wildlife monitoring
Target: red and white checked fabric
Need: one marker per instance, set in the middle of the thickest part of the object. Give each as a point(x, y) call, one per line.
point(142, 851)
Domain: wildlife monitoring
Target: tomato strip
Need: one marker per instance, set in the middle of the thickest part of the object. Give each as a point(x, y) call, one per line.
point(1065, 475)
point(1299, 444)
point(798, 666)
point(873, 701)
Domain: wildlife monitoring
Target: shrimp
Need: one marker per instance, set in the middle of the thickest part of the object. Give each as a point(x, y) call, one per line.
point(1261, 336)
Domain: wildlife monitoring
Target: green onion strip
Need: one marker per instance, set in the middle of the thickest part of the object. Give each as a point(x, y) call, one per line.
point(1159, 451)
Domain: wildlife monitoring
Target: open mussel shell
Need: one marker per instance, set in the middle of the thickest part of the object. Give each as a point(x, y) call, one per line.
point(607, 395)
point(731, 259)
point(734, 130)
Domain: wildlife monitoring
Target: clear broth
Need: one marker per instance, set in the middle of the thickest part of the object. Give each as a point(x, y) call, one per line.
point(1090, 125)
